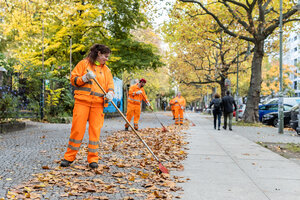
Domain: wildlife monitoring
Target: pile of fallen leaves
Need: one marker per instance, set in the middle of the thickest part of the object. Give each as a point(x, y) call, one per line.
point(126, 170)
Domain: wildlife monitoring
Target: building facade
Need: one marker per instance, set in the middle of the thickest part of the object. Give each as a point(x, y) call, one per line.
point(292, 58)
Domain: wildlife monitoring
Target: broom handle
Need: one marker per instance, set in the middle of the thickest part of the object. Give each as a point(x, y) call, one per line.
point(128, 122)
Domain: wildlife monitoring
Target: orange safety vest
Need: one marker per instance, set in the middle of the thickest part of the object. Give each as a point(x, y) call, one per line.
point(180, 101)
point(89, 93)
point(134, 98)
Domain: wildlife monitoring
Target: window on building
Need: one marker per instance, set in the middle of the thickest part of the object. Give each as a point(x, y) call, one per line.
point(295, 49)
point(295, 38)
point(295, 61)
point(295, 85)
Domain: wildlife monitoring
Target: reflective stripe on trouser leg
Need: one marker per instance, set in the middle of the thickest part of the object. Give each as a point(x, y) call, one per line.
point(80, 116)
point(176, 115)
point(96, 119)
point(181, 116)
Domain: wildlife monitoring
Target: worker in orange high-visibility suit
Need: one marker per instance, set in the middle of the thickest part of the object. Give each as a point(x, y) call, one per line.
point(135, 97)
point(179, 108)
point(89, 102)
point(172, 103)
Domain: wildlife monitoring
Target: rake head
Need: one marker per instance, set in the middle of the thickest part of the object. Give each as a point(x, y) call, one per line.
point(164, 129)
point(163, 169)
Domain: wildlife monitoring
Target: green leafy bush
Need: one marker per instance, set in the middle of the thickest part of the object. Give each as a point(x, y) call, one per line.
point(8, 107)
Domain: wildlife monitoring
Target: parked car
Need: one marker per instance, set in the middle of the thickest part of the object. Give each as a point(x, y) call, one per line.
point(286, 100)
point(272, 118)
point(267, 108)
point(241, 110)
point(294, 119)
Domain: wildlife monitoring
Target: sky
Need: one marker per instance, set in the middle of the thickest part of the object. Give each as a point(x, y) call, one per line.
point(162, 7)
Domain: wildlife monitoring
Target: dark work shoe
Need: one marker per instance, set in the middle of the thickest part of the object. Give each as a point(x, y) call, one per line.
point(65, 163)
point(93, 165)
point(224, 128)
point(126, 128)
point(218, 128)
point(230, 129)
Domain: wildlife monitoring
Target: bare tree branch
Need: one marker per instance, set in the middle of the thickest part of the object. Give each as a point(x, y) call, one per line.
point(269, 30)
point(226, 30)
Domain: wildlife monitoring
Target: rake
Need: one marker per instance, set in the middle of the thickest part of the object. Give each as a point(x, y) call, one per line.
point(164, 129)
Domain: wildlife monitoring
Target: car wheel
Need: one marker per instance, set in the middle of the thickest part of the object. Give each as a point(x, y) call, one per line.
point(275, 122)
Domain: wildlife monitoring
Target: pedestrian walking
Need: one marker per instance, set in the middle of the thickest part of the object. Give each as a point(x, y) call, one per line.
point(165, 105)
point(228, 103)
point(179, 105)
point(217, 111)
point(89, 102)
point(135, 97)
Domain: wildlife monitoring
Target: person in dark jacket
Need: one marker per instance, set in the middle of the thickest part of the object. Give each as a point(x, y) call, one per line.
point(217, 111)
point(228, 103)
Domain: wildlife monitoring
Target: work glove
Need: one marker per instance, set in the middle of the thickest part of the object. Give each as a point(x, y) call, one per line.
point(139, 92)
point(88, 76)
point(109, 96)
point(148, 104)
point(182, 108)
point(176, 101)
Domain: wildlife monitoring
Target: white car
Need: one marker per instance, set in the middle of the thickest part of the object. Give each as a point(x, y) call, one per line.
point(241, 110)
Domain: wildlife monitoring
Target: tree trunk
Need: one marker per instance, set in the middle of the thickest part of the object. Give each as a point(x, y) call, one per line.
point(251, 112)
point(223, 87)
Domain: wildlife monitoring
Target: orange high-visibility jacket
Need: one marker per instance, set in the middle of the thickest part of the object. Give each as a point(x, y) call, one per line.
point(90, 92)
point(134, 98)
point(180, 101)
point(172, 103)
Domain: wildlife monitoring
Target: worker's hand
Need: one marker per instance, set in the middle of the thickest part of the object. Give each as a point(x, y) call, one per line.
point(139, 92)
point(176, 101)
point(109, 96)
point(182, 108)
point(88, 76)
point(148, 104)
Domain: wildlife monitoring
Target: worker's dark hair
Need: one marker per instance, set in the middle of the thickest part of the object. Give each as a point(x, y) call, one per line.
point(95, 49)
point(217, 96)
point(228, 92)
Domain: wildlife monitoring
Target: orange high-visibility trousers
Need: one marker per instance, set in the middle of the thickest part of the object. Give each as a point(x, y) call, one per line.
point(95, 116)
point(178, 115)
point(133, 110)
point(173, 111)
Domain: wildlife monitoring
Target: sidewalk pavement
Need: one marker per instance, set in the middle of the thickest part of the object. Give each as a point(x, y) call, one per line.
point(223, 165)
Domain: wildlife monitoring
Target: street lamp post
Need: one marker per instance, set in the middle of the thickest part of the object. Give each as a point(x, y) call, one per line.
point(280, 102)
point(237, 87)
point(43, 77)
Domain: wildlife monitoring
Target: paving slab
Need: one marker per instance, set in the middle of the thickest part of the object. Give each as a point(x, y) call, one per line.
point(226, 165)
